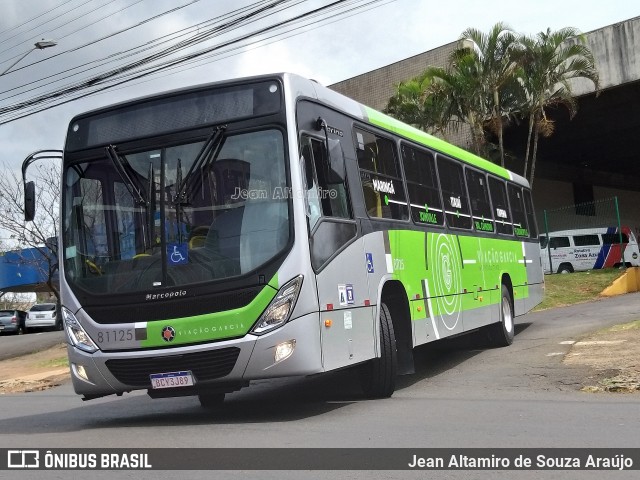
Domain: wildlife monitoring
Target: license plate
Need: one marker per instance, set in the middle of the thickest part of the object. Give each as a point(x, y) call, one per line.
point(171, 379)
point(1, 327)
point(39, 316)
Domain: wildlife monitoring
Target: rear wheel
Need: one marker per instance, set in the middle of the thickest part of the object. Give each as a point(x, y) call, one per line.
point(501, 334)
point(211, 400)
point(379, 375)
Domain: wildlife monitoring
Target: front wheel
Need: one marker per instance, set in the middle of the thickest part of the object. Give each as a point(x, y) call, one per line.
point(378, 376)
point(501, 334)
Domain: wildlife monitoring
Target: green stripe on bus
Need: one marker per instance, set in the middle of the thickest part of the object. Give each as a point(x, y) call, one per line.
point(457, 272)
point(212, 326)
point(395, 126)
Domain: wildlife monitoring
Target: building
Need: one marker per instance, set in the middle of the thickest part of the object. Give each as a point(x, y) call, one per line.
point(594, 156)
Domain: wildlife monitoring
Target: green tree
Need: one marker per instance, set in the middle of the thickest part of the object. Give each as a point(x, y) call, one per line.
point(495, 67)
point(419, 103)
point(440, 99)
point(549, 61)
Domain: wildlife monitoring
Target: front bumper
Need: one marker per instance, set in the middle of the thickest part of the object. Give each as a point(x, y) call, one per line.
point(101, 373)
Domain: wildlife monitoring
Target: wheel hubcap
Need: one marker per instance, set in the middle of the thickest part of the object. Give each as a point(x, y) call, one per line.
point(506, 315)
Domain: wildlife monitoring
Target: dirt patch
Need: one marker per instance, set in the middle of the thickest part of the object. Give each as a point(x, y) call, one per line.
point(614, 357)
point(34, 372)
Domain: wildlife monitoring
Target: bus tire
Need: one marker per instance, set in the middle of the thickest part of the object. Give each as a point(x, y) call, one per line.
point(211, 401)
point(501, 334)
point(379, 375)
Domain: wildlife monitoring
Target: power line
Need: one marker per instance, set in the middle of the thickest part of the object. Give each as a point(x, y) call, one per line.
point(34, 18)
point(39, 26)
point(112, 58)
point(131, 72)
point(102, 18)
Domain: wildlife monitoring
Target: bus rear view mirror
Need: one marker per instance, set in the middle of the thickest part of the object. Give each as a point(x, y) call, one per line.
point(29, 201)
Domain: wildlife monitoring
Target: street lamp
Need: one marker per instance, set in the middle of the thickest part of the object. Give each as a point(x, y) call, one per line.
point(41, 45)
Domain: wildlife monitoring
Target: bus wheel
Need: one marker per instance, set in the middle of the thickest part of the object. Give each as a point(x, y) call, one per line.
point(211, 400)
point(501, 334)
point(379, 375)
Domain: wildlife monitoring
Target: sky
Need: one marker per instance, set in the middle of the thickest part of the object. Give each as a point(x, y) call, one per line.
point(392, 31)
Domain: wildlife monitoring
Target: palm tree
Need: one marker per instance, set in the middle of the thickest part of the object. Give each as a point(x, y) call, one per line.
point(549, 61)
point(418, 102)
point(495, 67)
point(459, 93)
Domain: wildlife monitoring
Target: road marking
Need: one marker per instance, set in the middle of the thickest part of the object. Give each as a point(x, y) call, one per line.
point(602, 342)
point(554, 354)
point(568, 342)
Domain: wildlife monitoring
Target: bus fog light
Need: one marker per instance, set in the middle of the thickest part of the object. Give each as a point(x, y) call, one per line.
point(284, 350)
point(81, 371)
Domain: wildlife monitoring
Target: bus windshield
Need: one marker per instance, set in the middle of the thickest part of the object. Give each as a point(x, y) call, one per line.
point(144, 220)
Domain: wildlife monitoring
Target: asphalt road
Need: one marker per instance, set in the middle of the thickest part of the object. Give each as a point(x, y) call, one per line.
point(461, 396)
point(17, 345)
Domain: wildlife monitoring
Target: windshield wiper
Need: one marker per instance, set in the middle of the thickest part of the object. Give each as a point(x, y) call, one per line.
point(134, 187)
point(207, 154)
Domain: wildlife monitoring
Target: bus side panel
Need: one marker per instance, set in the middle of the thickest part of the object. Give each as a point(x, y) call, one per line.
point(382, 265)
point(429, 267)
point(477, 282)
point(346, 311)
point(535, 275)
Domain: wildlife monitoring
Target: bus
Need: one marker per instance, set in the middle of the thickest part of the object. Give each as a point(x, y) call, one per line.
point(271, 227)
point(583, 249)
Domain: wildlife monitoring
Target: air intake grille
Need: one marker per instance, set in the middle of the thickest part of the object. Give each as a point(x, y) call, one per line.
point(204, 366)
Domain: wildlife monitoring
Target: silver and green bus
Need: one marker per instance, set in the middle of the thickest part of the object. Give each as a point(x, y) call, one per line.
point(270, 227)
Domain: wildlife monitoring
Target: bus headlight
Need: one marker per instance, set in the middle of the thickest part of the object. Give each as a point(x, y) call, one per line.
point(78, 337)
point(280, 308)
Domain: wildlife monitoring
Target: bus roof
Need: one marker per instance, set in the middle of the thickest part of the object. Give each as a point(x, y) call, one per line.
point(379, 119)
point(304, 87)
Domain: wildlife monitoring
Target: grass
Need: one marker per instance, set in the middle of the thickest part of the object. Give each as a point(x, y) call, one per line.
point(54, 363)
point(625, 326)
point(567, 289)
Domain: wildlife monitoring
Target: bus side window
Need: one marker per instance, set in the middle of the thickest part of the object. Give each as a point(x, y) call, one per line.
point(454, 193)
point(422, 184)
point(498, 192)
point(531, 216)
point(382, 183)
point(517, 210)
point(480, 204)
point(324, 198)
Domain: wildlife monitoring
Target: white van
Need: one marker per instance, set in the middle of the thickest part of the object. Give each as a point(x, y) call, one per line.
point(589, 249)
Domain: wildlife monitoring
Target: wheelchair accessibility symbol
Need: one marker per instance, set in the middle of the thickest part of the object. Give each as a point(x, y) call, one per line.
point(177, 253)
point(369, 258)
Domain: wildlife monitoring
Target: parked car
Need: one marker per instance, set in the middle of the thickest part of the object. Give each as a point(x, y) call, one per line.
point(12, 321)
point(44, 315)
